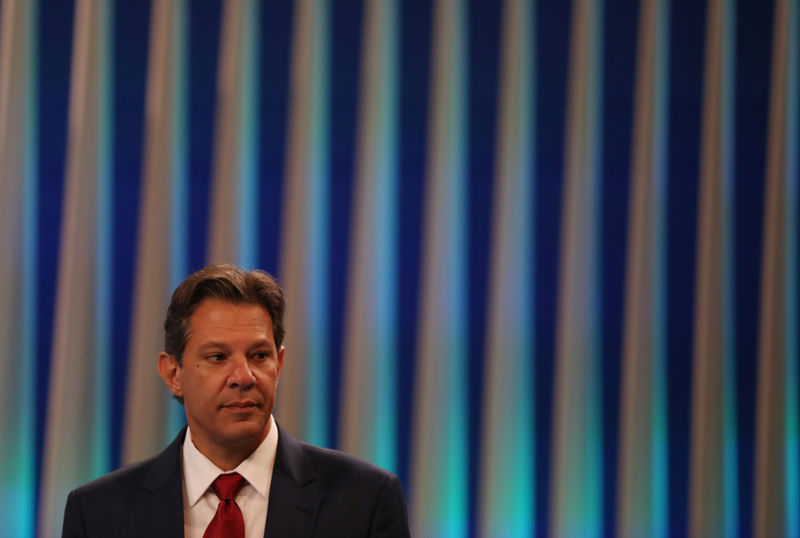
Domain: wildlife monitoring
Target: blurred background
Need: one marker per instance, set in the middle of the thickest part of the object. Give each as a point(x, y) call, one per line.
point(541, 258)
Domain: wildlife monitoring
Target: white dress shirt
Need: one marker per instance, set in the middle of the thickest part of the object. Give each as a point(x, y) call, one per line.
point(199, 500)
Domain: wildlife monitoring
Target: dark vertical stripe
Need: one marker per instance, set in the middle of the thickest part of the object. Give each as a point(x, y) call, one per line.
point(204, 36)
point(685, 85)
point(276, 24)
point(552, 48)
point(55, 52)
point(619, 60)
point(483, 49)
point(346, 38)
point(754, 20)
point(130, 34)
point(415, 41)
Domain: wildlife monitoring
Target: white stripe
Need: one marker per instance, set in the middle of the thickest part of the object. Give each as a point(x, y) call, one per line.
point(438, 465)
point(302, 398)
point(148, 405)
point(368, 431)
point(76, 446)
point(641, 504)
point(775, 344)
point(229, 240)
point(708, 483)
point(576, 485)
point(17, 285)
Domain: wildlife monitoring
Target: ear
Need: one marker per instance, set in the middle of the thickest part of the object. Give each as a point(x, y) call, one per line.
point(170, 372)
point(280, 360)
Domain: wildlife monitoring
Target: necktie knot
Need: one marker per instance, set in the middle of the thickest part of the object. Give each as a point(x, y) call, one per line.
point(227, 485)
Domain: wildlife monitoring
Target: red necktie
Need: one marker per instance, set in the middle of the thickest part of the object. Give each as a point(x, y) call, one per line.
point(228, 521)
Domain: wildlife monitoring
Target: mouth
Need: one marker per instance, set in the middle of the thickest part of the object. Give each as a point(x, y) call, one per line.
point(243, 404)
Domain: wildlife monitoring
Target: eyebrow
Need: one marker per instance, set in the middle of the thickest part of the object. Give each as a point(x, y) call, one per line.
point(262, 344)
point(214, 345)
point(265, 343)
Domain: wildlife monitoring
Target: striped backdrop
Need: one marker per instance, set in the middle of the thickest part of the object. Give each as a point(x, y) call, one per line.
point(541, 258)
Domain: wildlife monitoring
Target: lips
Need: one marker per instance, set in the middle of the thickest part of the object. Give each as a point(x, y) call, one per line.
point(245, 404)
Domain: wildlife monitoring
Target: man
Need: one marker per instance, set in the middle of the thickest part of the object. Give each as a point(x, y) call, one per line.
point(233, 471)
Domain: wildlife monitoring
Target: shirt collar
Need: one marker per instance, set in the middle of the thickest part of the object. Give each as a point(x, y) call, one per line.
point(199, 472)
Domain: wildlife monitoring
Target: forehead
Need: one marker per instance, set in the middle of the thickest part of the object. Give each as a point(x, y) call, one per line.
point(213, 319)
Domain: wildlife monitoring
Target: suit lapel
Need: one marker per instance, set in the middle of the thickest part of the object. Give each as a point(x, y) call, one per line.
point(294, 496)
point(163, 515)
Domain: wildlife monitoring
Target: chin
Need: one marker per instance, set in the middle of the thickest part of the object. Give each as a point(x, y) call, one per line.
point(247, 431)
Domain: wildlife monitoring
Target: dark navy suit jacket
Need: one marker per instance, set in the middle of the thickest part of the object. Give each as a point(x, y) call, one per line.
point(314, 492)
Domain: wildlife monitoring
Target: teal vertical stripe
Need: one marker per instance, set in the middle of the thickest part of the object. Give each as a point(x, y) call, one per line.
point(179, 233)
point(792, 426)
point(383, 296)
point(178, 213)
point(660, 470)
point(248, 137)
point(451, 452)
point(104, 247)
point(587, 507)
point(318, 230)
point(730, 446)
point(386, 250)
point(591, 513)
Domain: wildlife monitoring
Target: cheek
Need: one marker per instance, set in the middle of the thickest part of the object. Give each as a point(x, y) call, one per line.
point(197, 381)
point(267, 379)
point(267, 369)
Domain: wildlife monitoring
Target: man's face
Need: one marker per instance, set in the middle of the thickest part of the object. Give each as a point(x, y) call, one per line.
point(228, 377)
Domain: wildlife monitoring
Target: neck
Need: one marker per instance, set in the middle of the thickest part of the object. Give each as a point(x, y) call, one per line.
point(225, 459)
point(227, 456)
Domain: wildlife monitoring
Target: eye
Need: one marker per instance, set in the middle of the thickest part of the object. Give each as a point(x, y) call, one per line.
point(261, 355)
point(216, 357)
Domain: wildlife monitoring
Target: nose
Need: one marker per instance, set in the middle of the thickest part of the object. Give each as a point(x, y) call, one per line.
point(240, 375)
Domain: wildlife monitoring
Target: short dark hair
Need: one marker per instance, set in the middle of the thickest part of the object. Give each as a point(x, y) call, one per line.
point(227, 283)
